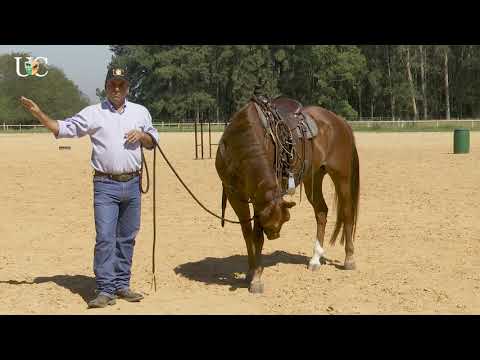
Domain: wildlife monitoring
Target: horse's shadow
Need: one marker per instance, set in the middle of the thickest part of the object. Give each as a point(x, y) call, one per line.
point(77, 284)
point(231, 270)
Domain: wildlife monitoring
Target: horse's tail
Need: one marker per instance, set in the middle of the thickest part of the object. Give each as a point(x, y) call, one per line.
point(224, 204)
point(355, 188)
point(355, 195)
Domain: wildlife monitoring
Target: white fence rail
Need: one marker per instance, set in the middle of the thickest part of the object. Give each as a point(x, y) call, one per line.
point(418, 124)
point(473, 124)
point(20, 127)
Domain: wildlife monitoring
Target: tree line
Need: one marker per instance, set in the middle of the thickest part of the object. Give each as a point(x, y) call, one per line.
point(187, 82)
point(179, 82)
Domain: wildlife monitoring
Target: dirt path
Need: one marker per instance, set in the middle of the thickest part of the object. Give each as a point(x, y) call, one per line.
point(417, 246)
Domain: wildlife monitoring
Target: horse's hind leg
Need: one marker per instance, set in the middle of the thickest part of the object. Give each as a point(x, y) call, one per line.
point(344, 192)
point(321, 210)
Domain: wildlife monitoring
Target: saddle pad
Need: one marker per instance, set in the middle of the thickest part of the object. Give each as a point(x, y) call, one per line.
point(311, 126)
point(263, 119)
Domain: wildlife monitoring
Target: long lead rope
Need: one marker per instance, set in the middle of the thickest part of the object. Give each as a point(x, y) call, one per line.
point(154, 280)
point(144, 163)
point(195, 198)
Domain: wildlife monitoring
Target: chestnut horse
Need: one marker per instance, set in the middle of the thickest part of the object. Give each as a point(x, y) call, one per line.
point(244, 164)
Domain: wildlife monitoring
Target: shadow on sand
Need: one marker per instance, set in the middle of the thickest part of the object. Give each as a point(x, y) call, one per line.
point(230, 271)
point(77, 284)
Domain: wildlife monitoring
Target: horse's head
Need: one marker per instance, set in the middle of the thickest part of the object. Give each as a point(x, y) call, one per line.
point(273, 216)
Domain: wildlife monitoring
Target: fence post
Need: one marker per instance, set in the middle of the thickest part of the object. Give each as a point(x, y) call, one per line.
point(196, 142)
point(210, 139)
point(201, 134)
point(20, 127)
point(4, 127)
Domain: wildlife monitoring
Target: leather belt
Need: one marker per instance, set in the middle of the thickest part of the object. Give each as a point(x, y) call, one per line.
point(118, 177)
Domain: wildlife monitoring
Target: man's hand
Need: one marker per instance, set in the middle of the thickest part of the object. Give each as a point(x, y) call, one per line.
point(50, 124)
point(136, 135)
point(133, 136)
point(30, 106)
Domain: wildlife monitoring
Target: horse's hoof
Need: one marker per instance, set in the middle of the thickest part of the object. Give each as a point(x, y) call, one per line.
point(314, 267)
point(256, 287)
point(350, 265)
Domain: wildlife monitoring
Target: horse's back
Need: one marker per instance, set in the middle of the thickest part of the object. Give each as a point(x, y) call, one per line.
point(335, 139)
point(328, 121)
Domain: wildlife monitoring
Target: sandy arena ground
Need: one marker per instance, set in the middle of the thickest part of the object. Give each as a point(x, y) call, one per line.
point(417, 245)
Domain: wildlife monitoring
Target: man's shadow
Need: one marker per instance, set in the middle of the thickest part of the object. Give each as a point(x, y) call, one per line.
point(77, 284)
point(231, 270)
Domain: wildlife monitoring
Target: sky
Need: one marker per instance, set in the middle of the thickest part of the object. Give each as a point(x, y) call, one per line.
point(85, 65)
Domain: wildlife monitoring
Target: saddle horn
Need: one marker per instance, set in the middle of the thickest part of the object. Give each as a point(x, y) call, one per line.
point(257, 90)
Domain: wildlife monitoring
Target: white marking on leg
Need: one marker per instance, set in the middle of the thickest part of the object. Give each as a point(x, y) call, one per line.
point(317, 253)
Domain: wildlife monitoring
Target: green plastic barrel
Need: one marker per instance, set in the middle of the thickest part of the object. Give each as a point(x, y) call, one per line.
point(461, 141)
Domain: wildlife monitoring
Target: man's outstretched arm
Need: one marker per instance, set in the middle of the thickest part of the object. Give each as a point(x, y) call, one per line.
point(46, 121)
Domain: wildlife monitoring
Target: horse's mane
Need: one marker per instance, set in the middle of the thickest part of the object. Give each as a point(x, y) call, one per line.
point(245, 149)
point(241, 137)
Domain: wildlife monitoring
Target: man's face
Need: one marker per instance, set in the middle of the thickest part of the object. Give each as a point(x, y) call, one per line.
point(117, 91)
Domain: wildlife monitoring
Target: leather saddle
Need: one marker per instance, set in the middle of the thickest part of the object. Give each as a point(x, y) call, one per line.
point(286, 106)
point(301, 127)
point(290, 111)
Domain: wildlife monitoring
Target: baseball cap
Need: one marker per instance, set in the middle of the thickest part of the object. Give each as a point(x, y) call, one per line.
point(116, 73)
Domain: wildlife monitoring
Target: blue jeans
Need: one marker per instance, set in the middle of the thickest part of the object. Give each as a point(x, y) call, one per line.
point(117, 208)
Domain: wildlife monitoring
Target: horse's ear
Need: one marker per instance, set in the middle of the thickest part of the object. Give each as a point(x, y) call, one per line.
point(289, 204)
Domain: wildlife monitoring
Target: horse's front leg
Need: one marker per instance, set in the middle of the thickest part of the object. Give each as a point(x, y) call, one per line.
point(242, 210)
point(256, 284)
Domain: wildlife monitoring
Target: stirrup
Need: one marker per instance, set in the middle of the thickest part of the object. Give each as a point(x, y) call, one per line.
point(291, 184)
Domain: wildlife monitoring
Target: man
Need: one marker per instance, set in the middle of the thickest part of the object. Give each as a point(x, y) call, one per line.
point(117, 129)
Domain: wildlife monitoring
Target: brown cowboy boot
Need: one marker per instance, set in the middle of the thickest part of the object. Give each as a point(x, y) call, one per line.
point(101, 301)
point(129, 295)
